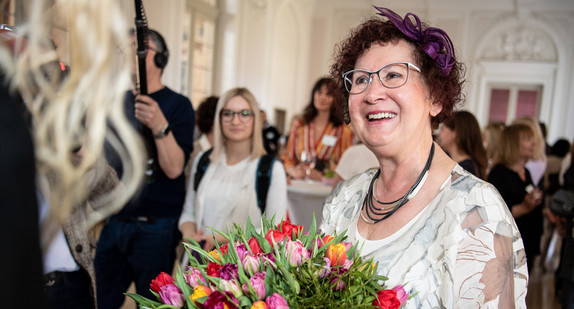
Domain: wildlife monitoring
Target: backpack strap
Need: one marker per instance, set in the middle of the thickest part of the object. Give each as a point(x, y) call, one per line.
point(202, 165)
point(263, 180)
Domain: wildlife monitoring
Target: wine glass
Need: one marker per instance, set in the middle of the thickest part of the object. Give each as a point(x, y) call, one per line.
point(308, 159)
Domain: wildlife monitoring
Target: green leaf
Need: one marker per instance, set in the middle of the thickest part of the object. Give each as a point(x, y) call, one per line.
point(142, 301)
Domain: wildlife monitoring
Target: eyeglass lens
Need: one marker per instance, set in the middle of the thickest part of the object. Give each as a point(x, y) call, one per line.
point(393, 75)
point(245, 115)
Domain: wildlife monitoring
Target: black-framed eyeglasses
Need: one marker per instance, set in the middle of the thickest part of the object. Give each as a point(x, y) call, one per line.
point(244, 116)
point(392, 75)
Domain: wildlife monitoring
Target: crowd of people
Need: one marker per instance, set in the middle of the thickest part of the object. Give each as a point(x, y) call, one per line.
point(456, 213)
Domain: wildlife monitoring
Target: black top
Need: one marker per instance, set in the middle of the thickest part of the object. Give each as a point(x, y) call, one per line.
point(21, 260)
point(160, 196)
point(513, 190)
point(469, 166)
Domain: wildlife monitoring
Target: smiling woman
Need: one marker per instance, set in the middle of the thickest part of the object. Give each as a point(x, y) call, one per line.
point(423, 218)
point(227, 192)
point(319, 137)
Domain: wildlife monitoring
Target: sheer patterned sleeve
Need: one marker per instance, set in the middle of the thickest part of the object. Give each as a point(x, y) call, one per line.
point(490, 264)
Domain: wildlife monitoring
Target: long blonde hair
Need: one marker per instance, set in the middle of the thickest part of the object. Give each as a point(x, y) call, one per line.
point(539, 144)
point(257, 149)
point(80, 108)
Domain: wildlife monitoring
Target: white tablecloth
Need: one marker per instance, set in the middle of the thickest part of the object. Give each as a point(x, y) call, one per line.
point(306, 198)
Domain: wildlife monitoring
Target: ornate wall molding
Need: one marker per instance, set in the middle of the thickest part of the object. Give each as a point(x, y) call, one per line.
point(520, 43)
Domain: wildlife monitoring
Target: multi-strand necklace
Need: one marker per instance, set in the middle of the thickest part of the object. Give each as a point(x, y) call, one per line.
point(389, 208)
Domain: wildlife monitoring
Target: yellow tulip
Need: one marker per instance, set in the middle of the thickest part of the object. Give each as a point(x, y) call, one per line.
point(198, 292)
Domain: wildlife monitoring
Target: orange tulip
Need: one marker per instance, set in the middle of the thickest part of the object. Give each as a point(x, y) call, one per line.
point(259, 305)
point(337, 254)
point(325, 240)
point(198, 292)
point(215, 253)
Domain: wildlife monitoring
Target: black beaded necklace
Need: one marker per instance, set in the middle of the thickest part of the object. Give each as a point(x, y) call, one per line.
point(391, 207)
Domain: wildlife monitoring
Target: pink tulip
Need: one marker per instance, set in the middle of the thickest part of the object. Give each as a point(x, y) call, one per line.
point(250, 264)
point(297, 254)
point(170, 294)
point(258, 284)
point(276, 301)
point(194, 277)
point(230, 286)
point(241, 250)
point(402, 295)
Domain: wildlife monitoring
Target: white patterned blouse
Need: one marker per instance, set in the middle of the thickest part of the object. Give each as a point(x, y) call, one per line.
point(462, 251)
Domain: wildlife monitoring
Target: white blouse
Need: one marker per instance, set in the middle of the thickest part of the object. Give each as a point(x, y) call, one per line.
point(227, 195)
point(462, 251)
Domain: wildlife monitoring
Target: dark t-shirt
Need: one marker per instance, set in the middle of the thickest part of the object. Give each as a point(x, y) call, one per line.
point(160, 196)
point(513, 190)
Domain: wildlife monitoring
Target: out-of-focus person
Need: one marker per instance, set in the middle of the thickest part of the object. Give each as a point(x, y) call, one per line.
point(564, 220)
point(204, 117)
point(537, 164)
point(319, 137)
point(66, 111)
point(139, 242)
point(512, 179)
point(426, 221)
point(490, 138)
point(227, 192)
point(271, 136)
point(355, 160)
point(461, 138)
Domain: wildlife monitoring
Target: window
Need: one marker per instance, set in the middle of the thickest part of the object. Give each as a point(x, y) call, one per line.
point(510, 102)
point(198, 52)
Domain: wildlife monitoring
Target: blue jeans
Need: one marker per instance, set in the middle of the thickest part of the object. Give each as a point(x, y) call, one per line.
point(69, 290)
point(133, 250)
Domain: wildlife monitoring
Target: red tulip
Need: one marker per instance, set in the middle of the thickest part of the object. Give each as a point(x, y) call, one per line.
point(274, 235)
point(159, 281)
point(386, 299)
point(254, 245)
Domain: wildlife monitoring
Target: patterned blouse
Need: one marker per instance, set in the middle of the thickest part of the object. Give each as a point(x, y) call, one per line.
point(329, 146)
point(463, 250)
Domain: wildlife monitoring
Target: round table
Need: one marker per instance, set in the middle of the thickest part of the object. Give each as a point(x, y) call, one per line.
point(305, 198)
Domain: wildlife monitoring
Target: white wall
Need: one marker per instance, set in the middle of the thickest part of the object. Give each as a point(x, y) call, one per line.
point(278, 48)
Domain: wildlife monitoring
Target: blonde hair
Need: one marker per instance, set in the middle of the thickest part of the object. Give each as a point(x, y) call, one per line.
point(80, 108)
point(539, 144)
point(257, 149)
point(491, 137)
point(509, 151)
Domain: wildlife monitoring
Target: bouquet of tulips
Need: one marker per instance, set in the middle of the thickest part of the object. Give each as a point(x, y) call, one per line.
point(280, 267)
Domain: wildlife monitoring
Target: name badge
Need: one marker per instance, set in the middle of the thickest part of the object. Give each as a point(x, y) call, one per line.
point(329, 140)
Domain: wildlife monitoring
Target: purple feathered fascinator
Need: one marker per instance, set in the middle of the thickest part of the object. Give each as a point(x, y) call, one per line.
point(434, 41)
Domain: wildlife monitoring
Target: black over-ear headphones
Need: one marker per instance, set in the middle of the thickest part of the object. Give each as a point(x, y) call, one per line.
point(162, 54)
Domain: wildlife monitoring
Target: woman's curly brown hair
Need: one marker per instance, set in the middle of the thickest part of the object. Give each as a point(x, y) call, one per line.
point(445, 90)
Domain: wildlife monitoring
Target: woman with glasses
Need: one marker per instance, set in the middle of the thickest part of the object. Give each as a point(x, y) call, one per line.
point(427, 222)
point(319, 137)
point(227, 191)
